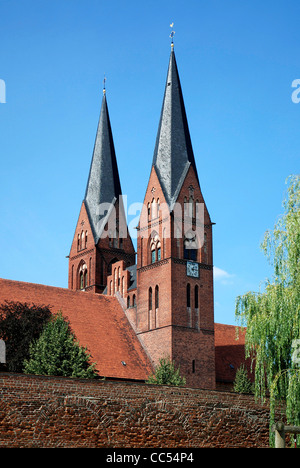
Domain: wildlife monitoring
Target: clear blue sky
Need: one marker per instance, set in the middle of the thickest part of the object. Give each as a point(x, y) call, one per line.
point(236, 59)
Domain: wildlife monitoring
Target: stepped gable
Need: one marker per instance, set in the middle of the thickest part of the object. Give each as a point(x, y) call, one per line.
point(98, 322)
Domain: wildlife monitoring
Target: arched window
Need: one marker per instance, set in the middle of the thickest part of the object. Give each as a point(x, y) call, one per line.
point(178, 242)
point(142, 241)
point(72, 277)
point(155, 248)
point(128, 302)
point(153, 253)
point(158, 251)
point(133, 301)
point(115, 280)
point(78, 242)
point(156, 297)
point(196, 297)
point(153, 209)
point(116, 239)
point(205, 248)
point(82, 240)
point(85, 239)
point(121, 240)
point(119, 278)
point(185, 207)
point(188, 295)
point(197, 210)
point(150, 298)
point(191, 207)
point(149, 211)
point(82, 275)
point(81, 285)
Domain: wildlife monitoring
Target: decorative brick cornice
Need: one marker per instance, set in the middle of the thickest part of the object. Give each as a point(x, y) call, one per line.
point(82, 253)
point(154, 265)
point(203, 266)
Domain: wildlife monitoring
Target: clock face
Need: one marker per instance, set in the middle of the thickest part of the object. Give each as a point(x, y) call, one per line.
point(192, 269)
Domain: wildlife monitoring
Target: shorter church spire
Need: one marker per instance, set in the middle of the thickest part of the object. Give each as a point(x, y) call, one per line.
point(103, 183)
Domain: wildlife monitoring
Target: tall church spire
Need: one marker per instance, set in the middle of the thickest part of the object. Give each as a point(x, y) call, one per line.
point(173, 154)
point(103, 183)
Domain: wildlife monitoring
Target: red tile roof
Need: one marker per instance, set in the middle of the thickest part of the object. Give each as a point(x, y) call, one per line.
point(98, 322)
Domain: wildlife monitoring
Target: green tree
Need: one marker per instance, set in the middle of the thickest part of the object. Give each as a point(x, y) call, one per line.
point(56, 352)
point(166, 374)
point(272, 316)
point(242, 383)
point(20, 323)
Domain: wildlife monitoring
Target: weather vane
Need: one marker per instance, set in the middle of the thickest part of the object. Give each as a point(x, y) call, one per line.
point(172, 34)
point(104, 81)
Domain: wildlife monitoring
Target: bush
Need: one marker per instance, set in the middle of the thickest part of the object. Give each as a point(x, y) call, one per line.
point(166, 374)
point(242, 383)
point(56, 352)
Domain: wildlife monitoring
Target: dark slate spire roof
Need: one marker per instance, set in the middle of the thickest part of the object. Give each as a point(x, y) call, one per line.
point(173, 154)
point(103, 183)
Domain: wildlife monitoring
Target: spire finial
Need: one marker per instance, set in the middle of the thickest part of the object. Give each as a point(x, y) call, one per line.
point(172, 35)
point(104, 81)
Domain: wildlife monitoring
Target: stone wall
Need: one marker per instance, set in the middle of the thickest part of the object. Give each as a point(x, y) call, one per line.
point(38, 411)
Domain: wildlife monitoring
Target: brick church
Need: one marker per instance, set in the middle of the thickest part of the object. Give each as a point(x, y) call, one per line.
point(132, 308)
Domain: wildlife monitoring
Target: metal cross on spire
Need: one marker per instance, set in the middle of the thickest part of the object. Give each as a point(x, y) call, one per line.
point(172, 35)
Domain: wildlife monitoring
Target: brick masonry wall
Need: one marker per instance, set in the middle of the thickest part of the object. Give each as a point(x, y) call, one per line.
point(50, 412)
point(174, 329)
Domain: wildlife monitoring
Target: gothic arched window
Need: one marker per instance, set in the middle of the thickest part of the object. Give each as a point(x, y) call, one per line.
point(150, 299)
point(188, 295)
point(156, 297)
point(196, 297)
point(155, 248)
point(82, 276)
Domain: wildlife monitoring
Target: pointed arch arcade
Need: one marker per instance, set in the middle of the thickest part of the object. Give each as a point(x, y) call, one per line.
point(82, 275)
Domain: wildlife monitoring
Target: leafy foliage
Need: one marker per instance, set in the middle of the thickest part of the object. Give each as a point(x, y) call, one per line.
point(272, 316)
point(20, 323)
point(242, 383)
point(56, 352)
point(166, 374)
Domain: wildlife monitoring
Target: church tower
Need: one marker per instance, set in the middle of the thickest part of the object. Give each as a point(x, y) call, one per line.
point(175, 311)
point(101, 236)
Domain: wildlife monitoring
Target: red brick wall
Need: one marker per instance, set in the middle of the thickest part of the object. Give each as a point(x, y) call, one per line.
point(38, 411)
